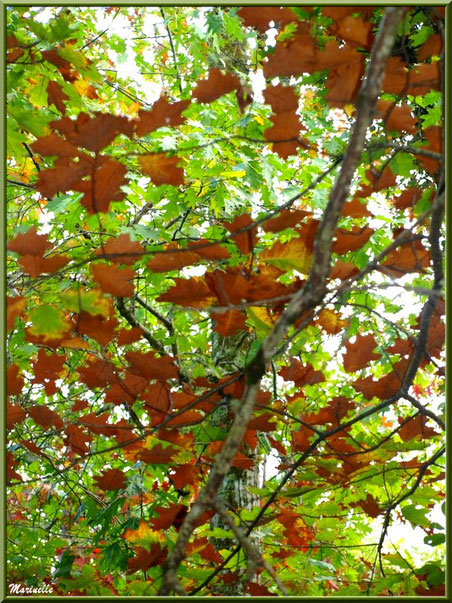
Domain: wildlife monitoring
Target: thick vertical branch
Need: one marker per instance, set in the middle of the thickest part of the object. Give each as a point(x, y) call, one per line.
point(306, 298)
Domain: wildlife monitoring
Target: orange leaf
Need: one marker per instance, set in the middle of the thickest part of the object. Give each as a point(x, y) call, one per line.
point(171, 259)
point(162, 169)
point(184, 475)
point(408, 198)
point(433, 46)
point(281, 98)
point(210, 252)
point(14, 414)
point(98, 327)
point(171, 516)
point(228, 323)
point(410, 257)
point(14, 308)
point(350, 240)
point(103, 186)
point(34, 265)
point(111, 479)
point(285, 219)
point(128, 336)
point(285, 133)
point(45, 417)
point(121, 250)
point(188, 292)
point(150, 366)
point(52, 144)
point(330, 321)
point(47, 366)
point(246, 240)
point(63, 176)
point(355, 209)
point(189, 417)
point(301, 374)
point(14, 381)
point(162, 114)
point(398, 118)
point(30, 243)
point(93, 133)
point(215, 86)
point(146, 559)
point(114, 280)
point(343, 270)
point(76, 439)
point(416, 428)
point(360, 353)
point(354, 29)
point(56, 96)
point(260, 16)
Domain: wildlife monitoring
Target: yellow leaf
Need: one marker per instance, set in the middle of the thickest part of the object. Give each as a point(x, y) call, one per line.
point(293, 254)
point(143, 535)
point(233, 174)
point(330, 321)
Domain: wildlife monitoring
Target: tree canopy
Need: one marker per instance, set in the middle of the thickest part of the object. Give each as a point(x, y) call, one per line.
point(225, 254)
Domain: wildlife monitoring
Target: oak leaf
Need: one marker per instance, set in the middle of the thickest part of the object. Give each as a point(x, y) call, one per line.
point(188, 292)
point(409, 257)
point(301, 374)
point(284, 134)
point(207, 251)
point(433, 46)
point(351, 240)
point(35, 265)
point(246, 240)
point(343, 270)
point(121, 250)
point(14, 381)
point(162, 114)
point(128, 336)
point(281, 98)
point(408, 198)
point(285, 219)
point(103, 187)
point(173, 515)
point(30, 243)
point(77, 440)
point(98, 373)
point(260, 16)
point(162, 169)
point(215, 86)
point(292, 254)
point(360, 353)
point(145, 559)
point(355, 209)
point(228, 323)
point(111, 479)
point(92, 133)
point(397, 118)
point(173, 258)
point(151, 366)
point(52, 144)
point(64, 175)
point(44, 416)
point(14, 308)
point(102, 330)
point(330, 321)
point(185, 475)
point(56, 96)
point(416, 428)
point(114, 280)
point(14, 414)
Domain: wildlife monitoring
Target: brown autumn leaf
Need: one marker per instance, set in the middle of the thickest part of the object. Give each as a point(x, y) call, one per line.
point(98, 373)
point(408, 198)
point(44, 416)
point(160, 455)
point(285, 219)
point(14, 308)
point(209, 252)
point(93, 133)
point(188, 292)
point(263, 422)
point(284, 134)
point(151, 366)
point(126, 390)
point(301, 374)
point(397, 118)
point(370, 506)
point(14, 381)
point(185, 475)
point(246, 240)
point(228, 323)
point(416, 428)
point(52, 144)
point(330, 321)
point(433, 46)
point(423, 78)
point(163, 113)
point(354, 29)
point(291, 254)
point(35, 265)
point(121, 250)
point(111, 479)
point(172, 258)
point(351, 240)
point(97, 327)
point(13, 55)
point(355, 209)
point(56, 96)
point(53, 57)
point(258, 590)
point(386, 386)
point(47, 366)
point(128, 336)
point(228, 286)
point(215, 86)
point(173, 515)
point(434, 137)
point(187, 417)
point(114, 280)
point(344, 83)
point(30, 243)
point(259, 17)
point(360, 353)
point(162, 169)
point(103, 186)
point(157, 398)
point(14, 414)
point(377, 181)
point(343, 270)
point(281, 98)
point(410, 257)
point(10, 464)
point(396, 76)
point(64, 175)
point(146, 558)
point(77, 440)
